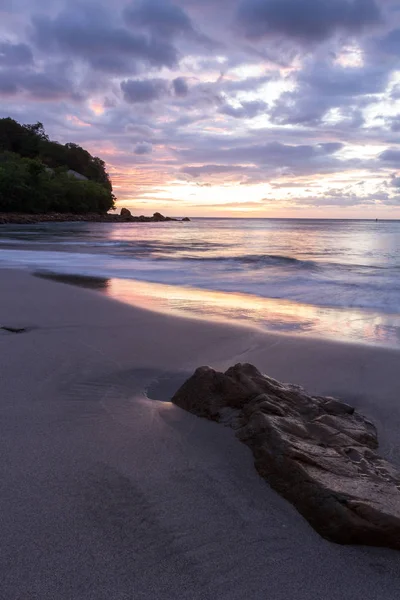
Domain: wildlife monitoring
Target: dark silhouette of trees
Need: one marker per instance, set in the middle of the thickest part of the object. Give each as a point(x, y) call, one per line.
point(34, 174)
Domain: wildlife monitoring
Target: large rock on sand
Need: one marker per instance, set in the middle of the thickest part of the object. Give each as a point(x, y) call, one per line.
point(315, 451)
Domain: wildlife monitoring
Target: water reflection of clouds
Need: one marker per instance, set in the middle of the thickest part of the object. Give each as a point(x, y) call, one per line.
point(350, 325)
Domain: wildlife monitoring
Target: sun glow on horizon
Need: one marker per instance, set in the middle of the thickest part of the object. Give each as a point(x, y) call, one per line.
point(239, 183)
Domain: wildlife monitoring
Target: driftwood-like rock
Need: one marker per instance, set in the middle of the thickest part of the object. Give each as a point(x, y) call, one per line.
point(315, 451)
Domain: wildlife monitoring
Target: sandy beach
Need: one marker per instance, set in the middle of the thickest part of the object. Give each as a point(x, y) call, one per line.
point(110, 492)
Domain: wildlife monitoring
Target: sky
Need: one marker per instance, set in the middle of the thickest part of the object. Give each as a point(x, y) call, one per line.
point(247, 108)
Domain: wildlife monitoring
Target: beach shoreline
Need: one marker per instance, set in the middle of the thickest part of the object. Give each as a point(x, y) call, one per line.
point(112, 492)
point(32, 219)
point(335, 281)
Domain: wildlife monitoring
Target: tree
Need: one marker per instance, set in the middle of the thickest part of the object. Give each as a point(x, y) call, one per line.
point(38, 130)
point(34, 173)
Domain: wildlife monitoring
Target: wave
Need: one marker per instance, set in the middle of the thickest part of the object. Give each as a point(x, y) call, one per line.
point(321, 288)
point(276, 260)
point(195, 252)
point(258, 261)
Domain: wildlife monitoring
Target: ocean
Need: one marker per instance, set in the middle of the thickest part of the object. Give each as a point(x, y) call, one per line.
point(338, 279)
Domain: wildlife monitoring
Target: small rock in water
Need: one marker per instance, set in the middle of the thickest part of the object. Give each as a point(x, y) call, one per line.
point(159, 217)
point(317, 452)
point(125, 213)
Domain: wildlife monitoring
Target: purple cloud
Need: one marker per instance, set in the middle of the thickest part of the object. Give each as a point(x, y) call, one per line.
point(15, 55)
point(143, 90)
point(91, 33)
point(247, 110)
point(180, 86)
point(161, 17)
point(143, 148)
point(306, 20)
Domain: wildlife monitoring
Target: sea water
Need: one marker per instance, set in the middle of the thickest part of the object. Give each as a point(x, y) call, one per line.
point(331, 278)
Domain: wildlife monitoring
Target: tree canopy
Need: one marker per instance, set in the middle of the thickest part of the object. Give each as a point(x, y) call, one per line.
point(35, 173)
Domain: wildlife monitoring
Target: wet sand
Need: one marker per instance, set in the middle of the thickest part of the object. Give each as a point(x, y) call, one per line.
point(110, 492)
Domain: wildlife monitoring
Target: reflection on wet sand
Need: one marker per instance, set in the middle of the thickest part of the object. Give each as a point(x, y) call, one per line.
point(274, 315)
point(352, 325)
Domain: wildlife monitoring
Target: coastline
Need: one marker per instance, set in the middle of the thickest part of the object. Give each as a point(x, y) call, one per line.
point(109, 489)
point(31, 219)
point(277, 276)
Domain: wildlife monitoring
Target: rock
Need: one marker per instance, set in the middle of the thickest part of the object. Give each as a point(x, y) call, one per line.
point(124, 217)
point(159, 217)
point(13, 329)
point(185, 219)
point(317, 452)
point(125, 213)
point(77, 175)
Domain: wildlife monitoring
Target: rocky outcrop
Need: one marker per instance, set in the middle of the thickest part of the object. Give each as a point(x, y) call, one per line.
point(77, 175)
point(124, 217)
point(317, 452)
point(126, 214)
point(159, 217)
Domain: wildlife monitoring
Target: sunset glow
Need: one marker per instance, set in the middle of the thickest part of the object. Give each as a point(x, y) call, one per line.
point(204, 115)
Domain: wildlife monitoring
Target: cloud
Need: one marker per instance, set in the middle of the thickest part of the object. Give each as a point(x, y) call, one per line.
point(143, 90)
point(247, 110)
point(249, 84)
point(91, 33)
point(336, 80)
point(43, 86)
point(161, 17)
point(143, 148)
point(391, 42)
point(306, 21)
point(8, 86)
point(391, 156)
point(15, 55)
point(180, 86)
point(321, 86)
point(348, 198)
point(393, 201)
point(50, 86)
point(213, 170)
point(395, 181)
point(271, 158)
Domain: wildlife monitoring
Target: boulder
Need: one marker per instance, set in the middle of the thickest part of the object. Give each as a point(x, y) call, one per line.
point(317, 452)
point(185, 219)
point(159, 217)
point(125, 213)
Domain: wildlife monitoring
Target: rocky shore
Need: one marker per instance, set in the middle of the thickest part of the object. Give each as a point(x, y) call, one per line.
point(124, 217)
point(317, 452)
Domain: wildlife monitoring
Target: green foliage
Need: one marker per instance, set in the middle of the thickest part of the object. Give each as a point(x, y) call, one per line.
point(34, 174)
point(28, 186)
